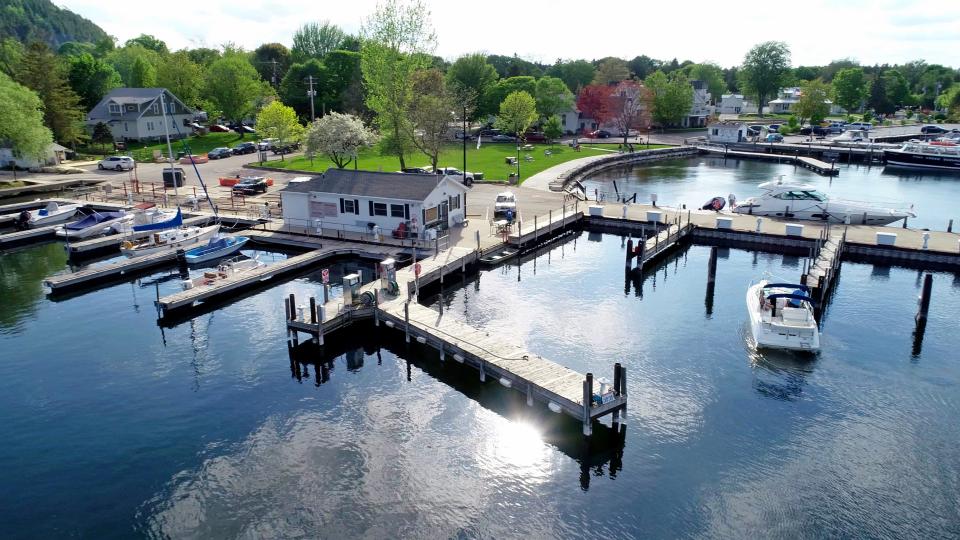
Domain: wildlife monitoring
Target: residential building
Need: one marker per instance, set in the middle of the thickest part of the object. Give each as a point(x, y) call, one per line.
point(700, 108)
point(735, 104)
point(788, 97)
point(53, 155)
point(358, 201)
point(135, 114)
point(727, 132)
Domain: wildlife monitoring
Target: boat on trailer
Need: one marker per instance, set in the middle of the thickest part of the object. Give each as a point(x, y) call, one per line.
point(781, 316)
point(216, 248)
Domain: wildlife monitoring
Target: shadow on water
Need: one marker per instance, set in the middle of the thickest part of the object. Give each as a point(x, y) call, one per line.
point(601, 453)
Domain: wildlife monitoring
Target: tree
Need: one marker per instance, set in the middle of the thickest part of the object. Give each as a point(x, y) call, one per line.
point(850, 88)
point(271, 61)
point(148, 42)
point(143, 75)
point(92, 78)
point(877, 98)
point(830, 70)
point(181, 76)
point(552, 97)
point(23, 120)
point(11, 54)
point(397, 41)
point(514, 66)
point(101, 135)
point(764, 69)
point(575, 74)
point(339, 137)
point(474, 72)
point(517, 113)
point(812, 104)
point(43, 73)
point(315, 40)
point(203, 56)
point(897, 87)
point(711, 75)
point(294, 88)
point(124, 59)
point(552, 129)
point(345, 82)
point(593, 101)
point(495, 94)
point(643, 65)
point(630, 104)
point(671, 97)
point(278, 121)
point(429, 113)
point(234, 86)
point(611, 70)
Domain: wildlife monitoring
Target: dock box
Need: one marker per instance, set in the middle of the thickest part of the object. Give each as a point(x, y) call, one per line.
point(724, 223)
point(794, 229)
point(886, 239)
point(654, 216)
point(596, 210)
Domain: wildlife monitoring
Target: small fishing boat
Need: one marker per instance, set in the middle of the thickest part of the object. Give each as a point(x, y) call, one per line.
point(170, 239)
point(781, 316)
point(225, 270)
point(95, 224)
point(499, 256)
point(52, 213)
point(216, 248)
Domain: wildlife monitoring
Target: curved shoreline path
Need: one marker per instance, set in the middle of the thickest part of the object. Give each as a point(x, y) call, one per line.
point(542, 179)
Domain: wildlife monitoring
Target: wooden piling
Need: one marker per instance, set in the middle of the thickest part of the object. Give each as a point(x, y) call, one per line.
point(406, 320)
point(629, 252)
point(712, 266)
point(925, 299)
point(950, 226)
point(616, 379)
point(313, 310)
point(293, 308)
point(320, 325)
point(483, 372)
point(587, 404)
point(286, 311)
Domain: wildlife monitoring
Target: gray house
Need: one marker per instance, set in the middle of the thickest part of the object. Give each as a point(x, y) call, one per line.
point(135, 114)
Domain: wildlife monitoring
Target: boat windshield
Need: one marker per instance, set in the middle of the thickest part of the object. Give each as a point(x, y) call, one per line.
point(805, 195)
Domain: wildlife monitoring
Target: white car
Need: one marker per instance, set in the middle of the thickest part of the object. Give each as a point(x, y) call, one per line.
point(117, 163)
point(453, 171)
point(506, 201)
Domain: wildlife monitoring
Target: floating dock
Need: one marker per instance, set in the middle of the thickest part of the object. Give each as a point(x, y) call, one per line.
point(107, 272)
point(815, 165)
point(29, 235)
point(825, 257)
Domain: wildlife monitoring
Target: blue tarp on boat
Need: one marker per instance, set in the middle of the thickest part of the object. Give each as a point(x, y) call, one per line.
point(93, 219)
point(169, 224)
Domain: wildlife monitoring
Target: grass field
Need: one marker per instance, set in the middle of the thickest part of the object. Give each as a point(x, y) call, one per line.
point(198, 146)
point(490, 159)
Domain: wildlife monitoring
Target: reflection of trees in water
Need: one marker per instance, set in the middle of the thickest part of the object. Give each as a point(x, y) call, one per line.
point(21, 276)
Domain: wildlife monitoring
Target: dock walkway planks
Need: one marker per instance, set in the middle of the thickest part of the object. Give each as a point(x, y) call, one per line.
point(820, 167)
point(47, 231)
point(108, 271)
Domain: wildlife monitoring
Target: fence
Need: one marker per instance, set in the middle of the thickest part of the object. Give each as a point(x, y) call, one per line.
point(320, 229)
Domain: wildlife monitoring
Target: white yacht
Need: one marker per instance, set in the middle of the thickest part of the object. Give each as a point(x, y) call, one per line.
point(793, 200)
point(169, 239)
point(781, 317)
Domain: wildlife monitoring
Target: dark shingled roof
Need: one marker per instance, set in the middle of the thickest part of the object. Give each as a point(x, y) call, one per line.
point(384, 185)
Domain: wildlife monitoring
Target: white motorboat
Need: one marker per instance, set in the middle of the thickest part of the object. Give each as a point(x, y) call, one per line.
point(225, 270)
point(169, 239)
point(781, 317)
point(95, 224)
point(51, 214)
point(794, 200)
point(146, 217)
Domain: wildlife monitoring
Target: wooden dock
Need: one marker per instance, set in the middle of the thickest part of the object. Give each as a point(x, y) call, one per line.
point(106, 272)
point(815, 165)
point(824, 262)
point(532, 231)
point(29, 235)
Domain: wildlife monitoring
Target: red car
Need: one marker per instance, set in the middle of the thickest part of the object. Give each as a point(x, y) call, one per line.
point(599, 134)
point(218, 128)
point(535, 136)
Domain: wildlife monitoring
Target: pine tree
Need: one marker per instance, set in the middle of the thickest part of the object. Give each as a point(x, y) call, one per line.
point(43, 73)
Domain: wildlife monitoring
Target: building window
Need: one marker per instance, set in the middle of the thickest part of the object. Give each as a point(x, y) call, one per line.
point(149, 126)
point(454, 203)
point(156, 108)
point(396, 210)
point(563, 119)
point(114, 108)
point(379, 209)
point(716, 131)
point(125, 127)
point(349, 206)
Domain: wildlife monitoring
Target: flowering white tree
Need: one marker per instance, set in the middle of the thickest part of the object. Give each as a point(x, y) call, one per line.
point(339, 137)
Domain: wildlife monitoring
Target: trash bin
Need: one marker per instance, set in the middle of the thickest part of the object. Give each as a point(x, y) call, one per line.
point(173, 177)
point(181, 155)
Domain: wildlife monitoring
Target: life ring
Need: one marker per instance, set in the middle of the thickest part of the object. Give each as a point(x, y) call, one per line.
point(717, 203)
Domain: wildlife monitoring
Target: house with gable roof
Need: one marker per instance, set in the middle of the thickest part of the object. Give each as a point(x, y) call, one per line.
point(134, 114)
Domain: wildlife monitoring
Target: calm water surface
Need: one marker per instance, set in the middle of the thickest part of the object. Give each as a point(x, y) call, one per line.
point(695, 181)
point(115, 427)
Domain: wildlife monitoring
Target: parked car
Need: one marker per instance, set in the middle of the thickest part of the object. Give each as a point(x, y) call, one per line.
point(821, 131)
point(774, 137)
point(773, 128)
point(218, 153)
point(500, 137)
point(281, 149)
point(506, 203)
point(218, 128)
point(753, 131)
point(245, 148)
point(117, 163)
point(806, 130)
point(599, 134)
point(250, 185)
point(932, 130)
point(242, 128)
point(860, 125)
point(488, 132)
point(535, 136)
point(459, 136)
point(453, 171)
point(416, 170)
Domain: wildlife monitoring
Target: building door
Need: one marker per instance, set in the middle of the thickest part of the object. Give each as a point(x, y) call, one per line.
point(444, 211)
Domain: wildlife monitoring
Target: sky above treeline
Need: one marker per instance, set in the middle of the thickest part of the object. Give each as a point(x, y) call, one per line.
point(817, 31)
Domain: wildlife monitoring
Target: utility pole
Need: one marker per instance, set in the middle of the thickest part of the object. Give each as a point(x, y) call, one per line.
point(311, 93)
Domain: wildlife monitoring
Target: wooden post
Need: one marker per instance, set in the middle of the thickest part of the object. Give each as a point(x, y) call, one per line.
point(478, 242)
point(712, 268)
point(286, 311)
point(313, 310)
point(483, 372)
point(925, 299)
point(406, 320)
point(293, 308)
point(326, 293)
point(950, 226)
point(535, 232)
point(550, 226)
point(587, 404)
point(376, 306)
point(320, 326)
point(629, 252)
point(616, 379)
point(529, 395)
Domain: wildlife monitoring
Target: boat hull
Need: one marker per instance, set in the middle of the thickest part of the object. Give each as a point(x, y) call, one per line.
point(64, 214)
point(197, 255)
point(103, 227)
point(189, 242)
point(769, 334)
point(910, 160)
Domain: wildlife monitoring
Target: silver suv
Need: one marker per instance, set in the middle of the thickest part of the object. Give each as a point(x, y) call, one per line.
point(117, 163)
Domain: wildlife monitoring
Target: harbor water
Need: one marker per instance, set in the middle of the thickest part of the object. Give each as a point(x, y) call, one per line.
point(695, 181)
point(116, 427)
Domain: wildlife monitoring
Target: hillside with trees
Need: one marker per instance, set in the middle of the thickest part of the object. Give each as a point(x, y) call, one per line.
point(41, 20)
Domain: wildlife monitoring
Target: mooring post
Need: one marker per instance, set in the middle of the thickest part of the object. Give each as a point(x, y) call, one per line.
point(629, 252)
point(483, 372)
point(587, 403)
point(286, 312)
point(535, 232)
point(950, 226)
point(925, 298)
point(406, 320)
point(376, 306)
point(529, 394)
point(293, 308)
point(478, 242)
point(313, 310)
point(712, 272)
point(320, 325)
point(550, 226)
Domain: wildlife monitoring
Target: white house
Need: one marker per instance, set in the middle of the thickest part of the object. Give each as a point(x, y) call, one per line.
point(727, 132)
point(135, 114)
point(700, 108)
point(788, 98)
point(735, 104)
point(360, 200)
point(53, 155)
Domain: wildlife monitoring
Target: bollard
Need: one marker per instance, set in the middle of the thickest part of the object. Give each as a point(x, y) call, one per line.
point(926, 240)
point(759, 223)
point(313, 310)
point(629, 252)
point(950, 226)
point(925, 299)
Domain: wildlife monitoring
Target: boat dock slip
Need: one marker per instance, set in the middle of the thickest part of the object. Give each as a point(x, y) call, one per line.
point(531, 230)
point(815, 165)
point(825, 257)
point(105, 272)
point(29, 235)
point(112, 241)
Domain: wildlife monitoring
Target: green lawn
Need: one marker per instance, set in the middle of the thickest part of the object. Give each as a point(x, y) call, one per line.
point(198, 146)
point(490, 159)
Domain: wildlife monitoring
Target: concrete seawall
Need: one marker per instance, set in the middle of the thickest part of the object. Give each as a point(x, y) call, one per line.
point(604, 163)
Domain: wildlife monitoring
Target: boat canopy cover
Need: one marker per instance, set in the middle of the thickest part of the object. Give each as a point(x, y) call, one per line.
point(801, 297)
point(787, 285)
point(169, 224)
point(93, 219)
